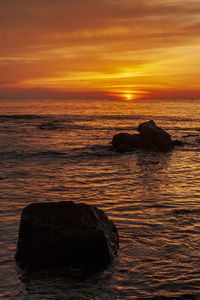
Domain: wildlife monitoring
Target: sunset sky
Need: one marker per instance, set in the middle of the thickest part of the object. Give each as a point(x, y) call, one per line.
point(99, 49)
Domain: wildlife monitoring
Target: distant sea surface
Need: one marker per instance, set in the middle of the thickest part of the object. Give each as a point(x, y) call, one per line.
point(59, 151)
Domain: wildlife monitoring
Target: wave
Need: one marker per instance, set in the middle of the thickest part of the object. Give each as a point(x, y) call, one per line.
point(62, 127)
point(24, 117)
point(90, 151)
point(76, 117)
point(147, 117)
point(23, 155)
point(79, 153)
point(50, 126)
point(186, 211)
point(97, 122)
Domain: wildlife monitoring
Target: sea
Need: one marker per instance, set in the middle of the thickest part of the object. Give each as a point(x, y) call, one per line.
point(60, 150)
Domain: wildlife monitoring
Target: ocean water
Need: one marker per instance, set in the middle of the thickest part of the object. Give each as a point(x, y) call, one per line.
point(60, 150)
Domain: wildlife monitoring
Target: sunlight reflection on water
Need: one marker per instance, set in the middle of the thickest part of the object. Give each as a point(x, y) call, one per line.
point(153, 198)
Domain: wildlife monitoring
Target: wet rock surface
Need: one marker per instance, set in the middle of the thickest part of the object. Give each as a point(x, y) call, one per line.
point(155, 136)
point(150, 137)
point(126, 142)
point(65, 235)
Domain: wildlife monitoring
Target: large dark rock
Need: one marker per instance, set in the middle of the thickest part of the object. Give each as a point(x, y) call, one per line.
point(155, 137)
point(123, 142)
point(150, 137)
point(65, 235)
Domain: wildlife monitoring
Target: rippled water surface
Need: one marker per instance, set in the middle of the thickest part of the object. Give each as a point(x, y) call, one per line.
point(59, 150)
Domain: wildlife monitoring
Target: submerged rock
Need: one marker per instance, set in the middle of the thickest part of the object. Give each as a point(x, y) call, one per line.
point(150, 137)
point(65, 235)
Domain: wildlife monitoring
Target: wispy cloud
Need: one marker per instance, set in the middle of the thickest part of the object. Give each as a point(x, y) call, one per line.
point(48, 42)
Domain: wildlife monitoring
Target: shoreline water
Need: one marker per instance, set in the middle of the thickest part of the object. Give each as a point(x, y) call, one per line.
point(153, 199)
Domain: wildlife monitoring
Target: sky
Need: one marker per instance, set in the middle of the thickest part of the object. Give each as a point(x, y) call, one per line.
point(99, 49)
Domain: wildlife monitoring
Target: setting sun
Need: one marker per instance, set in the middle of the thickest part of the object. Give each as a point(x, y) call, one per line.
point(128, 96)
point(82, 50)
point(99, 108)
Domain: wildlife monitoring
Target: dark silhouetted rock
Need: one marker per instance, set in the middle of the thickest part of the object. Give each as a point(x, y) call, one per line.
point(151, 137)
point(155, 137)
point(65, 235)
point(123, 142)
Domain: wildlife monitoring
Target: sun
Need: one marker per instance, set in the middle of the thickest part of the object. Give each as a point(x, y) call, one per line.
point(128, 96)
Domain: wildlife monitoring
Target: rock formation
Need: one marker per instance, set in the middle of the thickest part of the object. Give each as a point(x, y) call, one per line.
point(150, 137)
point(126, 142)
point(65, 235)
point(155, 137)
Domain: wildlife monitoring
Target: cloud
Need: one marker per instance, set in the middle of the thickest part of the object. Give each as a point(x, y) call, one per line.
point(45, 19)
point(46, 41)
point(45, 93)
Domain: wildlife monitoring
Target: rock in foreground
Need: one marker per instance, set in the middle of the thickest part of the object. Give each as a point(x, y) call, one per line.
point(150, 137)
point(65, 235)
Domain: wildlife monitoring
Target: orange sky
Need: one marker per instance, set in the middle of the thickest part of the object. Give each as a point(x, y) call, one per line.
point(99, 49)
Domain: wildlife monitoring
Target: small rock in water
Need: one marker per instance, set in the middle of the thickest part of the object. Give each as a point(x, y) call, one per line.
point(65, 235)
point(150, 137)
point(155, 136)
point(124, 142)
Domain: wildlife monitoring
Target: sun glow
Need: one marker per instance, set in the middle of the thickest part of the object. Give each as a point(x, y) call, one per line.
point(129, 96)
